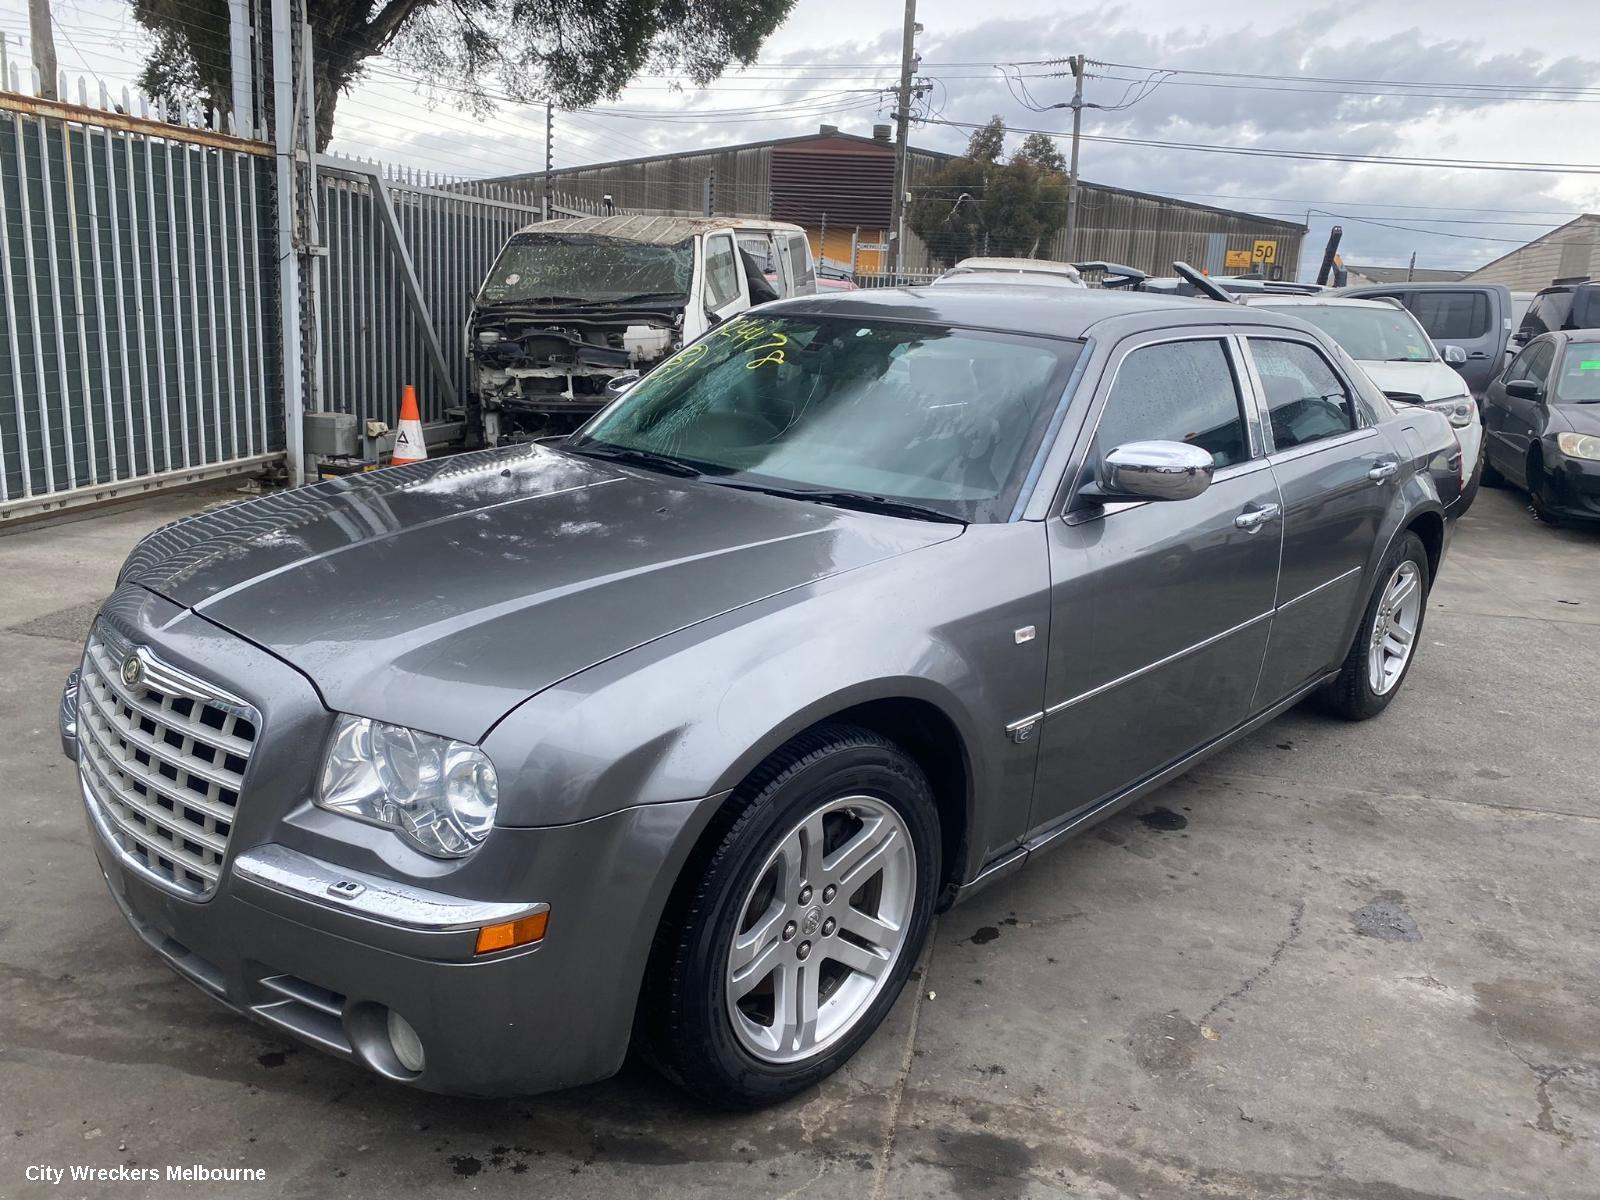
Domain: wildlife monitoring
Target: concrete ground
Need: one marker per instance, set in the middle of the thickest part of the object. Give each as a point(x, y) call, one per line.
point(1337, 961)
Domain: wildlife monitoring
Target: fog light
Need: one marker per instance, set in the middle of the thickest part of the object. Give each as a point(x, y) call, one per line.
point(404, 1041)
point(507, 934)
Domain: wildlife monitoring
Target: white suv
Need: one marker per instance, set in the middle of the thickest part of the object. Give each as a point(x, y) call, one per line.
point(1395, 351)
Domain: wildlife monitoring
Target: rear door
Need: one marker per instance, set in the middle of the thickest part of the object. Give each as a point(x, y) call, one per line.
point(1338, 474)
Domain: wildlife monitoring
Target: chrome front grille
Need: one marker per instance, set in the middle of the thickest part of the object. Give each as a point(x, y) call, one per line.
point(163, 756)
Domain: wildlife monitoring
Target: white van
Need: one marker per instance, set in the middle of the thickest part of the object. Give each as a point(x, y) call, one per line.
point(571, 304)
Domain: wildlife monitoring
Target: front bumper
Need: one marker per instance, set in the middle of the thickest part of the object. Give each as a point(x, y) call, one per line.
point(1574, 485)
point(319, 926)
point(326, 971)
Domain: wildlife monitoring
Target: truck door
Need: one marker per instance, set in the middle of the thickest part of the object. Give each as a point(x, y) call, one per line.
point(1476, 318)
point(723, 292)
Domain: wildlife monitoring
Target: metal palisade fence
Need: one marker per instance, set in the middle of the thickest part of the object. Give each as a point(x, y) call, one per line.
point(139, 294)
point(407, 252)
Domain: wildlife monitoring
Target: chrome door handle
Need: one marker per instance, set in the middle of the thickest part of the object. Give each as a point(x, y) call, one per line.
point(1256, 517)
point(1382, 471)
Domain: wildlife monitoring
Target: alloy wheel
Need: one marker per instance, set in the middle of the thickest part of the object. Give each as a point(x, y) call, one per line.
point(821, 929)
point(1394, 628)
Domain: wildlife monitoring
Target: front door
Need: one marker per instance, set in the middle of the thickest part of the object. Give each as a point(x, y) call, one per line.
point(1159, 609)
point(1511, 423)
point(1338, 475)
point(723, 290)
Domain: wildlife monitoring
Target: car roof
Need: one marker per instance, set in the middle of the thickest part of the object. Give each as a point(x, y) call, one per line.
point(1027, 308)
point(1582, 335)
point(660, 231)
point(1044, 266)
point(1330, 301)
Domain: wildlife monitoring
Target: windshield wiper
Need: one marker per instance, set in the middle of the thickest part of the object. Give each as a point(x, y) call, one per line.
point(862, 501)
point(635, 297)
point(648, 459)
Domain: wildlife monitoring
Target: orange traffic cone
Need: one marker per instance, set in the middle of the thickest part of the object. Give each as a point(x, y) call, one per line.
point(408, 444)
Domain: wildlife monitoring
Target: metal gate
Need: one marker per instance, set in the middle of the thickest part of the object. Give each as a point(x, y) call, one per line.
point(406, 253)
point(140, 331)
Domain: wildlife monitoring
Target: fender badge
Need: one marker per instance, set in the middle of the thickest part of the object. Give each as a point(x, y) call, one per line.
point(1025, 634)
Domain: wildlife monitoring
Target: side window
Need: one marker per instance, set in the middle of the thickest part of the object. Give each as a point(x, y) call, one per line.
point(1306, 400)
point(800, 256)
point(1539, 360)
point(1176, 392)
point(722, 272)
point(759, 247)
point(1519, 365)
point(1458, 316)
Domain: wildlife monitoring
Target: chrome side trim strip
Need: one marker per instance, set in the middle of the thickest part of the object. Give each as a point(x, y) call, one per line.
point(1327, 583)
point(1053, 834)
point(340, 890)
point(1160, 662)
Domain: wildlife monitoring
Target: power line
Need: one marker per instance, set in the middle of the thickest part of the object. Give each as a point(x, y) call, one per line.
point(1389, 83)
point(1463, 164)
point(1492, 98)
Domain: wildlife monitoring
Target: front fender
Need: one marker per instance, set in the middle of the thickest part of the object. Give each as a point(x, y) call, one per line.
point(691, 714)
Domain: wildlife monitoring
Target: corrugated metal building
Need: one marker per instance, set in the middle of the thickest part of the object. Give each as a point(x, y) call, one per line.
point(839, 188)
point(1570, 252)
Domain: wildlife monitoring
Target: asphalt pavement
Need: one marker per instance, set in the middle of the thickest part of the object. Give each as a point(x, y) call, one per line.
point(1350, 962)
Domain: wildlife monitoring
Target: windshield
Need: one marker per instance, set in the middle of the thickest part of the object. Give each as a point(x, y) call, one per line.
point(1377, 334)
point(945, 418)
point(1579, 380)
point(585, 268)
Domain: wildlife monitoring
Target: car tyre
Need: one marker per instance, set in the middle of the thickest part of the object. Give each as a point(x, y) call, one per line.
point(722, 1036)
point(1540, 498)
point(1360, 690)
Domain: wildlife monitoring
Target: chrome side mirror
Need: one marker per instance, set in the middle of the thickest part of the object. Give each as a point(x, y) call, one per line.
point(1454, 355)
point(1154, 471)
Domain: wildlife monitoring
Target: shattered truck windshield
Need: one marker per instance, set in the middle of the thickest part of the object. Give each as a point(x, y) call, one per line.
point(587, 269)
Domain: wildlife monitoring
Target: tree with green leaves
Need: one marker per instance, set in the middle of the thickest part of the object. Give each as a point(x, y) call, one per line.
point(980, 205)
point(569, 52)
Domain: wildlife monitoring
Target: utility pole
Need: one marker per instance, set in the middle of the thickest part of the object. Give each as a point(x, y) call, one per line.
point(44, 48)
point(1411, 270)
point(902, 121)
point(239, 68)
point(1077, 61)
point(549, 160)
point(283, 138)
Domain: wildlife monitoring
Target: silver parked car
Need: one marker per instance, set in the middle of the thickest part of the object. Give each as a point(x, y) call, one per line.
point(475, 771)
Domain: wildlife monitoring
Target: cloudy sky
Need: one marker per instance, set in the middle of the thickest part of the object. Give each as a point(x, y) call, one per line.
point(831, 59)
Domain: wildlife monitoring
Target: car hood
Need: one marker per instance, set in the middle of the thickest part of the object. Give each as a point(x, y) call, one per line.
point(441, 595)
point(1573, 418)
point(1430, 380)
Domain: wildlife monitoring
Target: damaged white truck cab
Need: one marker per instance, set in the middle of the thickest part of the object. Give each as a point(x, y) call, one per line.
point(571, 304)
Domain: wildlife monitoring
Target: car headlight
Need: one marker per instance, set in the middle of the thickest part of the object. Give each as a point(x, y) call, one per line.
point(1457, 409)
point(438, 792)
point(1579, 445)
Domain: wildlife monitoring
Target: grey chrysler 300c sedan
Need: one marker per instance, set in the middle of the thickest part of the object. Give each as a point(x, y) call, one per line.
point(676, 733)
